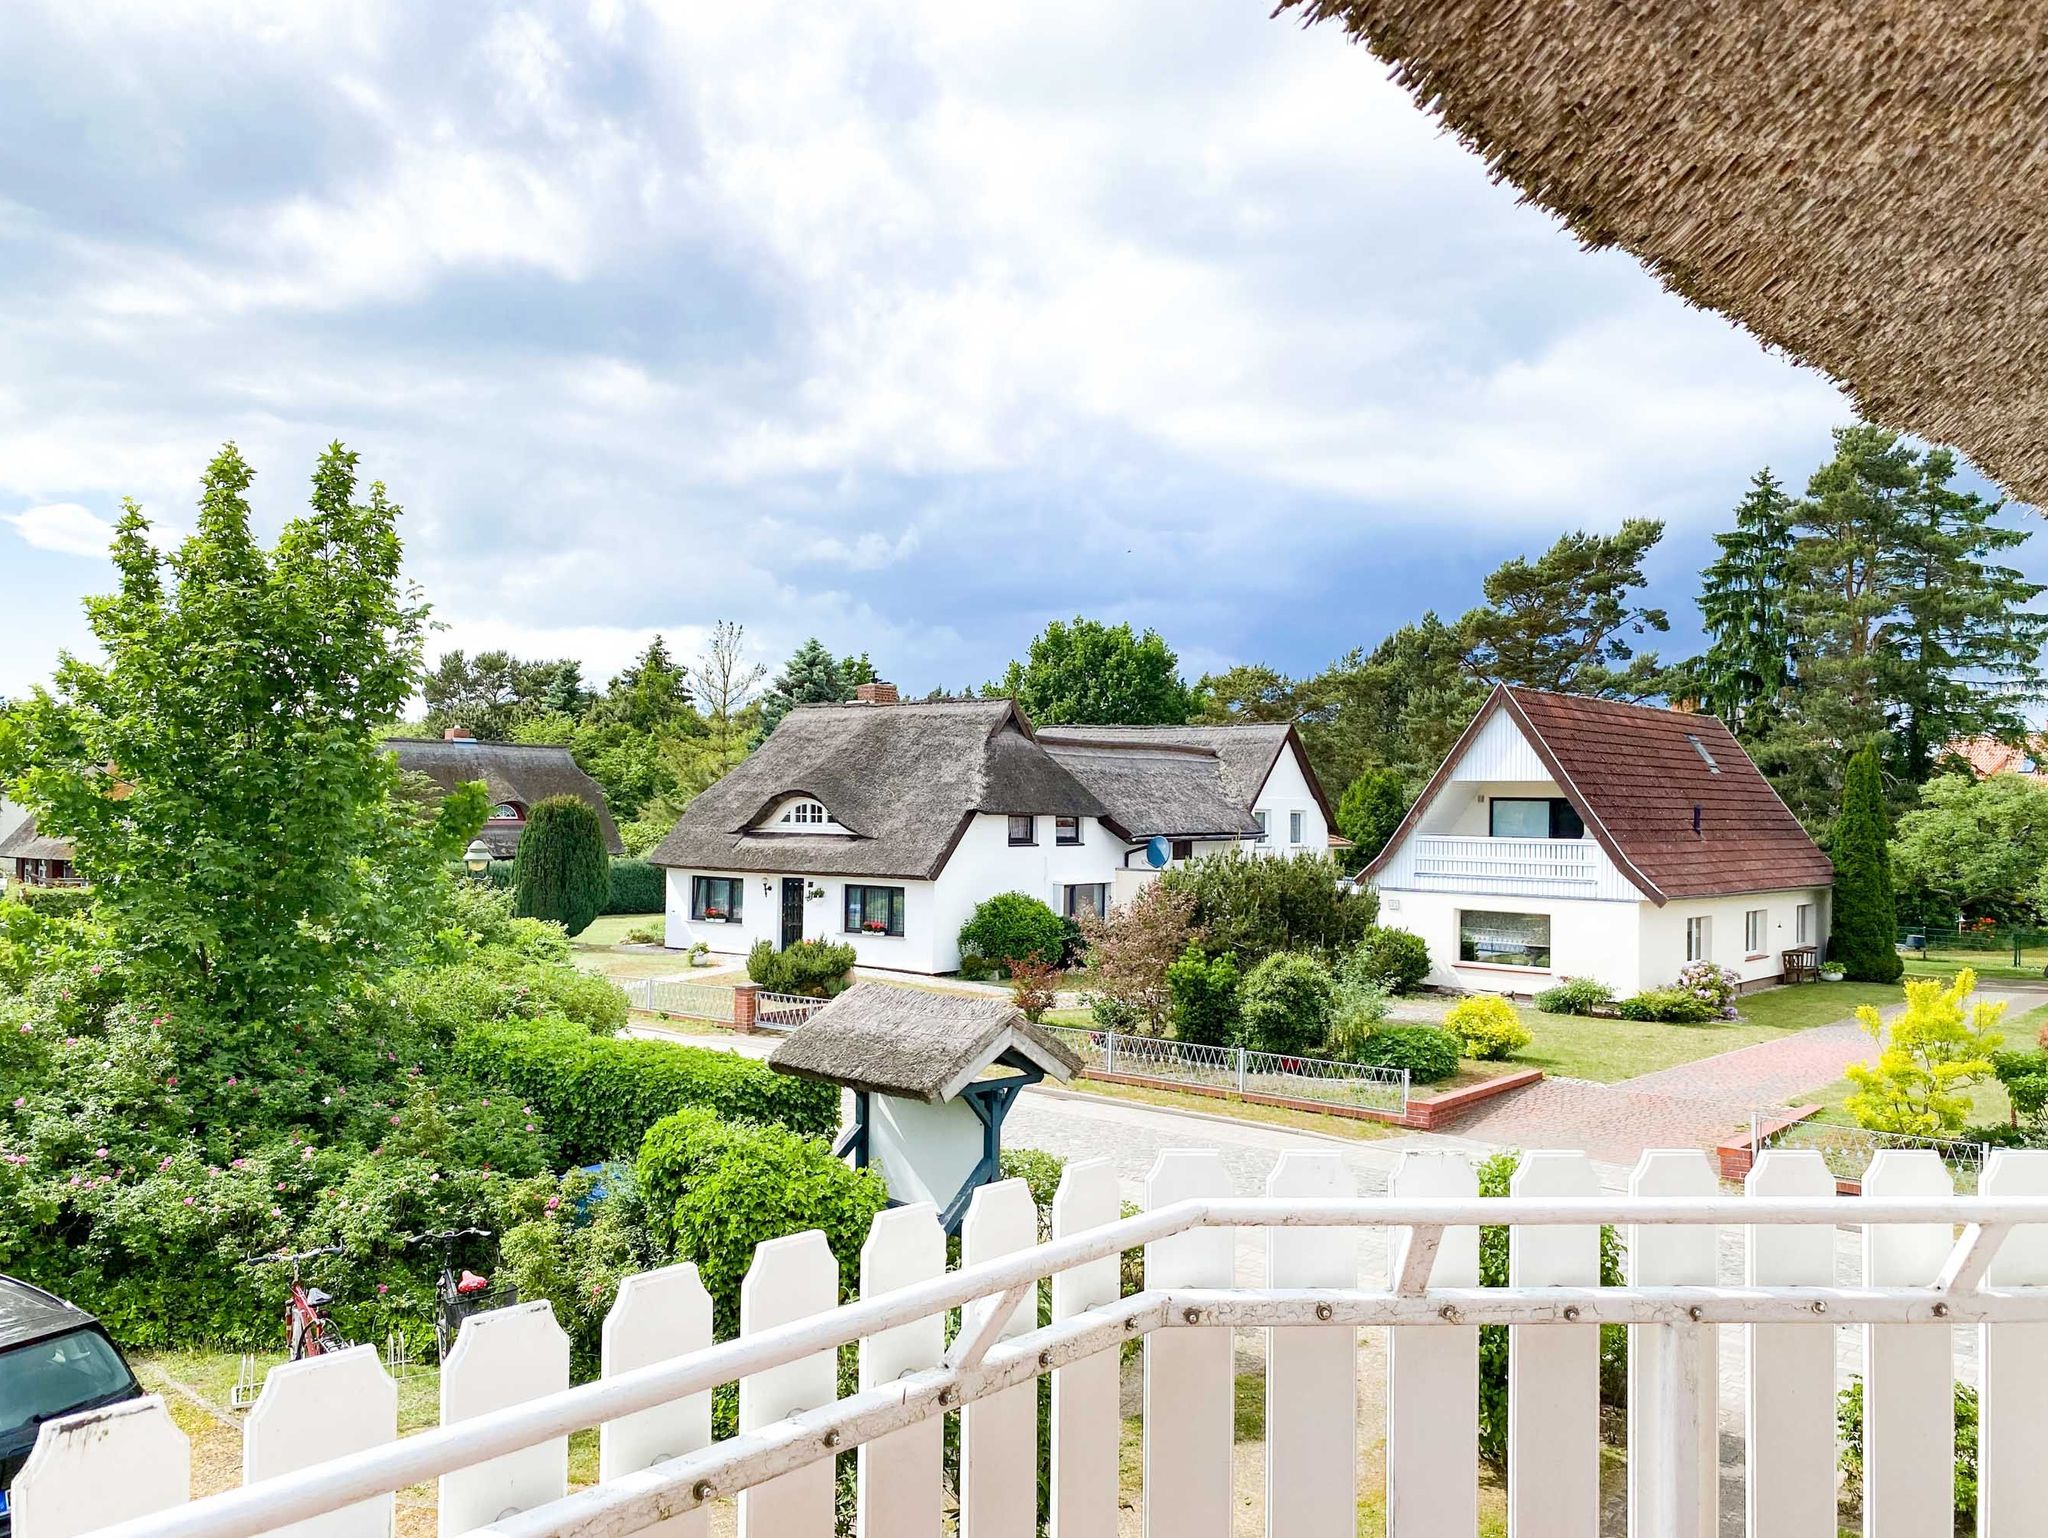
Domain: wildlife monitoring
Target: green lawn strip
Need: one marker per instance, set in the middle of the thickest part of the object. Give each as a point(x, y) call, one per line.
point(1606, 1049)
point(1988, 966)
point(1805, 1005)
point(1988, 1103)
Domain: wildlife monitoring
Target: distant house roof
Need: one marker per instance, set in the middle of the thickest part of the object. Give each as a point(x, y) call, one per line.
point(1987, 756)
point(1180, 781)
point(903, 780)
point(1635, 774)
point(916, 1042)
point(512, 772)
point(24, 843)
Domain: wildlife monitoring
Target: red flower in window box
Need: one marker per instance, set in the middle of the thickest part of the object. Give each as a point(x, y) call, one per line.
point(875, 926)
point(714, 913)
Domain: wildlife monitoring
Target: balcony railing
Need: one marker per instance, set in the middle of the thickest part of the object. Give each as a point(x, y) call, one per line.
point(1540, 866)
point(320, 1442)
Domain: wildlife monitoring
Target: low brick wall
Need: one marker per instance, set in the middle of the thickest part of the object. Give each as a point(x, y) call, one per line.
point(1738, 1155)
point(1424, 1114)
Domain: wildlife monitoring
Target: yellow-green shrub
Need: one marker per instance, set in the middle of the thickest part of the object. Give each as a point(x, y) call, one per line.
point(1487, 1027)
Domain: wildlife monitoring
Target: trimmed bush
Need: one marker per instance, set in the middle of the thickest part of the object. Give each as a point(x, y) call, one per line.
point(1575, 996)
point(563, 873)
point(1716, 986)
point(599, 1096)
point(1673, 1006)
point(1285, 1004)
point(1204, 994)
point(1487, 1027)
point(54, 902)
point(1394, 956)
point(1429, 1055)
point(1256, 906)
point(1011, 926)
point(715, 1190)
point(636, 887)
point(816, 969)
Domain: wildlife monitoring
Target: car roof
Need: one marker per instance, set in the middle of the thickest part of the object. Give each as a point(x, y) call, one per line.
point(29, 1313)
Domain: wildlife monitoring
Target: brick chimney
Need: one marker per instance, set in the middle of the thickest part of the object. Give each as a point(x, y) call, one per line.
point(457, 734)
point(876, 693)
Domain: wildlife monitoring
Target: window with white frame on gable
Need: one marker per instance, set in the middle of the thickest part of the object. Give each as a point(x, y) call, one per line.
point(803, 814)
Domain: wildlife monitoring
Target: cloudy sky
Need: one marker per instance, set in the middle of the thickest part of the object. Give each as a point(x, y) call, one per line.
point(908, 324)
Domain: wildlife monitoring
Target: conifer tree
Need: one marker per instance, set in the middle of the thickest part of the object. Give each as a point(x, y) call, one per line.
point(812, 676)
point(1865, 931)
point(562, 872)
point(1745, 609)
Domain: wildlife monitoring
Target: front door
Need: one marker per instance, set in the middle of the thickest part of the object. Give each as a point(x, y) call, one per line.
point(792, 910)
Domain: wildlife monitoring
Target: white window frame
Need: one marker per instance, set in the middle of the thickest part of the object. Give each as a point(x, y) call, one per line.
point(1297, 823)
point(1756, 932)
point(1803, 928)
point(1699, 939)
point(1259, 817)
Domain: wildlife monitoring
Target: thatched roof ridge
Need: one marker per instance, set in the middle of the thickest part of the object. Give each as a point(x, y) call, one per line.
point(915, 1042)
point(24, 843)
point(1857, 185)
point(519, 772)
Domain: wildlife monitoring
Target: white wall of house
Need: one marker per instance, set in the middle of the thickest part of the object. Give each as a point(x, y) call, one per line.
point(985, 862)
point(1629, 946)
point(824, 918)
point(1283, 797)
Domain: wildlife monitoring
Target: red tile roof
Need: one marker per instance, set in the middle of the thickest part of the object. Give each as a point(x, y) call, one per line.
point(1636, 777)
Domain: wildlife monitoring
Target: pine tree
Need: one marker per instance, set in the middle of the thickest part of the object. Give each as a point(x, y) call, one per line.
point(1563, 620)
point(562, 872)
point(1865, 930)
point(1744, 608)
point(812, 676)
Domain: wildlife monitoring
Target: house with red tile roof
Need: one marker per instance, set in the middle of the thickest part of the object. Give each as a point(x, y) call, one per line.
point(1575, 837)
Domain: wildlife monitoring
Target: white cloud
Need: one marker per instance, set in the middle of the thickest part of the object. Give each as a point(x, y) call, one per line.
point(64, 527)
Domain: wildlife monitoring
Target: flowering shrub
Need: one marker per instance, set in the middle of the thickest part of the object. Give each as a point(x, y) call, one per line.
point(1715, 986)
point(1487, 1027)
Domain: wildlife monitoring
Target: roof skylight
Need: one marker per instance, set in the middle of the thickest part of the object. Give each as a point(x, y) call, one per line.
point(1705, 757)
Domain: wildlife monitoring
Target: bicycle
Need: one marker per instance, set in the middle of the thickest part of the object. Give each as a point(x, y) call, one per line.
point(458, 1295)
point(308, 1329)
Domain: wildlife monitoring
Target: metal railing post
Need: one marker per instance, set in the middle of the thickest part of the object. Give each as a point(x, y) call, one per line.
point(1109, 1051)
point(1242, 1057)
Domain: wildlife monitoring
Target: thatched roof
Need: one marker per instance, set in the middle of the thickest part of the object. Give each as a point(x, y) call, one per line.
point(904, 779)
point(1860, 186)
point(1175, 779)
point(24, 843)
point(916, 1042)
point(513, 772)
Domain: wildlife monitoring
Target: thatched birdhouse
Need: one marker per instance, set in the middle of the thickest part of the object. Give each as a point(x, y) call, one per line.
point(933, 1075)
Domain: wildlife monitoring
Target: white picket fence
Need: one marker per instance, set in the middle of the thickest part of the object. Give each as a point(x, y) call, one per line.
point(320, 1449)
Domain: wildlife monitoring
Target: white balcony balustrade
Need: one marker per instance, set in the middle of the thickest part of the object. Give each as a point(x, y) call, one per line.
point(1933, 1261)
point(1536, 867)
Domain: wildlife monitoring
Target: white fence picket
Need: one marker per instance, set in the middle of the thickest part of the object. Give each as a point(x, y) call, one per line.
point(999, 1435)
point(2012, 1411)
point(1085, 1421)
point(1311, 1372)
point(99, 1467)
point(1188, 1387)
point(503, 1356)
point(1433, 1375)
point(1789, 1415)
point(791, 1278)
point(1674, 1473)
point(1908, 1369)
point(317, 1409)
point(656, 1316)
point(899, 1473)
point(1554, 1369)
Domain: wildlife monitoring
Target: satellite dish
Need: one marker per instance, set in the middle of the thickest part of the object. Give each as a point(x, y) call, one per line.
point(1157, 853)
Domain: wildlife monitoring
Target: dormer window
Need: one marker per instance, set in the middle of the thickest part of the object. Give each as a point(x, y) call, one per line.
point(508, 811)
point(805, 814)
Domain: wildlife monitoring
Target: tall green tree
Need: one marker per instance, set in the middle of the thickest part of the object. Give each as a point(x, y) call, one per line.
point(1250, 691)
point(219, 773)
point(812, 676)
point(1088, 673)
point(1864, 934)
point(1973, 848)
point(1745, 608)
point(1565, 621)
point(562, 872)
point(493, 694)
point(1400, 706)
point(1369, 811)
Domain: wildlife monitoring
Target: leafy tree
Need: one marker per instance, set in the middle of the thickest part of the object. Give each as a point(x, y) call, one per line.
point(563, 872)
point(651, 695)
point(1929, 1053)
point(855, 671)
point(1132, 949)
point(1865, 930)
point(1285, 1004)
point(1745, 607)
point(1253, 905)
point(1369, 811)
point(1564, 621)
point(494, 693)
point(249, 842)
point(1400, 707)
point(1250, 691)
point(812, 676)
point(1203, 989)
point(727, 682)
point(1974, 847)
point(1089, 673)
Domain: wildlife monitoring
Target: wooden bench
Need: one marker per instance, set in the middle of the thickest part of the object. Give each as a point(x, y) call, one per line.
point(1801, 964)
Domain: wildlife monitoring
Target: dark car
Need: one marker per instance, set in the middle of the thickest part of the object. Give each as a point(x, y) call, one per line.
point(54, 1359)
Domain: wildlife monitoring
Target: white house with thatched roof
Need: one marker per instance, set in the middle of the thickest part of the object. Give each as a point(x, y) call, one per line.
point(883, 824)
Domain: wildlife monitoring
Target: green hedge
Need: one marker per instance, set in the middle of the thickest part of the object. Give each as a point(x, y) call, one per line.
point(599, 1095)
point(715, 1189)
point(54, 902)
point(637, 887)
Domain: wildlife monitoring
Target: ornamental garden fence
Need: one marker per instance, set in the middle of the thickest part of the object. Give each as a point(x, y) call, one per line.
point(691, 1001)
point(320, 1448)
point(1849, 1151)
point(1321, 1082)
